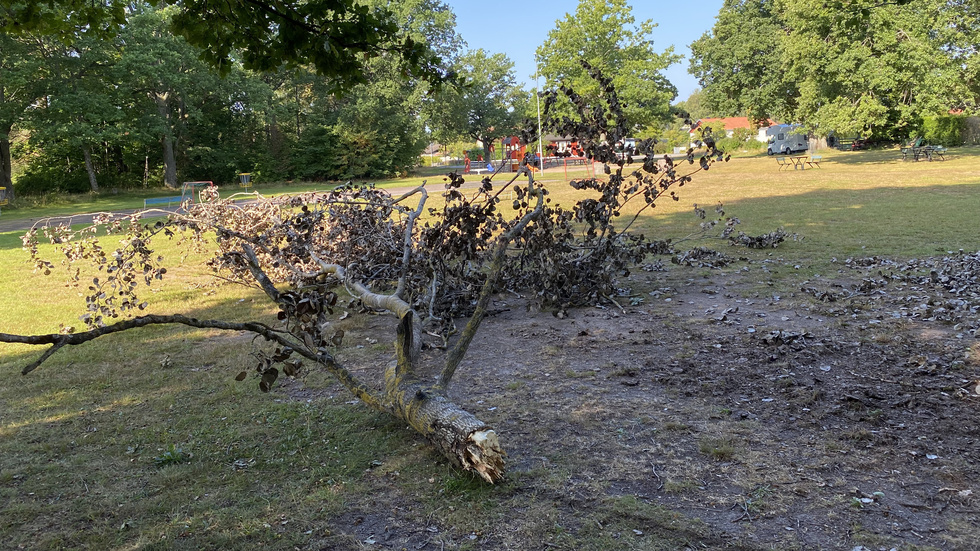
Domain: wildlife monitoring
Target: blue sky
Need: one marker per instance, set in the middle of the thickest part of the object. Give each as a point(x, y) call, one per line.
point(516, 28)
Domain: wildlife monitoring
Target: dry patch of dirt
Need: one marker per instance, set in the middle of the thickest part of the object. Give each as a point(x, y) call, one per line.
point(842, 415)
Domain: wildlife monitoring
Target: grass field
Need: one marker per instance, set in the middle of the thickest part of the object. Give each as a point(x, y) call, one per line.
point(144, 440)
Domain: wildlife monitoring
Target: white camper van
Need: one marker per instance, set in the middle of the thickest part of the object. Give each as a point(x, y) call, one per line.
point(785, 139)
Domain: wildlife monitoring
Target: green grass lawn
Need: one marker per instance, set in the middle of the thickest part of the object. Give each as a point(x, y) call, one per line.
point(143, 440)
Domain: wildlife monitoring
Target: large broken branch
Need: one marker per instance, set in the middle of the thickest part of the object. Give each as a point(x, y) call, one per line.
point(457, 433)
point(458, 351)
point(409, 238)
point(392, 303)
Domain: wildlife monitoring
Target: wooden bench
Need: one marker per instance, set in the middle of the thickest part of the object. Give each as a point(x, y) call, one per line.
point(783, 162)
point(815, 161)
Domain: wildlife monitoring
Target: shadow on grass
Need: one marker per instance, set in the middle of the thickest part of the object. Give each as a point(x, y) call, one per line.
point(253, 467)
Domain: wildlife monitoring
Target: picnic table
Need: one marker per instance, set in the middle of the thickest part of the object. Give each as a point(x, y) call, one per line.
point(851, 145)
point(928, 152)
point(799, 162)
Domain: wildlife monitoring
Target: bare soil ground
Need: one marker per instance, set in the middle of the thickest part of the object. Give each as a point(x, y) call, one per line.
point(710, 413)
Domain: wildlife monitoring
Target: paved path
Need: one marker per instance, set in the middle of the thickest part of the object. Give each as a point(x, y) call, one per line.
point(24, 224)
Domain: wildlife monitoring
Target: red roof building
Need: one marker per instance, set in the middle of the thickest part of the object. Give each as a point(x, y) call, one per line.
point(730, 124)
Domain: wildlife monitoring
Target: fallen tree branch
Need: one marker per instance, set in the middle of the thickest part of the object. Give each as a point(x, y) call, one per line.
point(409, 240)
point(458, 351)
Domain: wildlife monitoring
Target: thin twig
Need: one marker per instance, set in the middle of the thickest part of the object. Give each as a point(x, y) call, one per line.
point(610, 299)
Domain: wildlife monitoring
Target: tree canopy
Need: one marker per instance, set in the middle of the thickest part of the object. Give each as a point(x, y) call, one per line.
point(738, 61)
point(136, 106)
point(486, 106)
point(607, 36)
point(862, 67)
point(336, 37)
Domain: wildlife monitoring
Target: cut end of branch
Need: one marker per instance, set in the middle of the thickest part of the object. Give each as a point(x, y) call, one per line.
point(484, 455)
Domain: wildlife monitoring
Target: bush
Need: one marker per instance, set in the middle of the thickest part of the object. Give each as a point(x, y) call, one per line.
point(971, 130)
point(729, 145)
point(743, 134)
point(39, 179)
point(944, 130)
point(754, 146)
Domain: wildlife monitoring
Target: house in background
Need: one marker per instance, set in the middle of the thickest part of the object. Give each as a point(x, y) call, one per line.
point(730, 124)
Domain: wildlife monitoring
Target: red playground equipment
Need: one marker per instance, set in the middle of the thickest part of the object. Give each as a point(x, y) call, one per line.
point(513, 151)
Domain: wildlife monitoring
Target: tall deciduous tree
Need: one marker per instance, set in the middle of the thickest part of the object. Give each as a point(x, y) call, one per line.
point(871, 68)
point(694, 107)
point(62, 19)
point(605, 33)
point(23, 69)
point(336, 37)
point(738, 62)
point(163, 69)
point(485, 107)
point(82, 109)
point(855, 67)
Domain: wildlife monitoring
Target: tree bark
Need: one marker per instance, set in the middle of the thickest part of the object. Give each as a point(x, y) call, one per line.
point(6, 167)
point(468, 442)
point(162, 100)
point(92, 180)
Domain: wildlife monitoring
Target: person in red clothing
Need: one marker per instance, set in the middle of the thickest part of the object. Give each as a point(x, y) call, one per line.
point(466, 162)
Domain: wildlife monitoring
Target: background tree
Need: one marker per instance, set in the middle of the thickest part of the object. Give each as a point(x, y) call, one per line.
point(486, 107)
point(605, 33)
point(694, 107)
point(738, 62)
point(80, 112)
point(956, 30)
point(870, 68)
point(201, 124)
point(62, 20)
point(165, 70)
point(22, 67)
point(875, 68)
point(336, 37)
